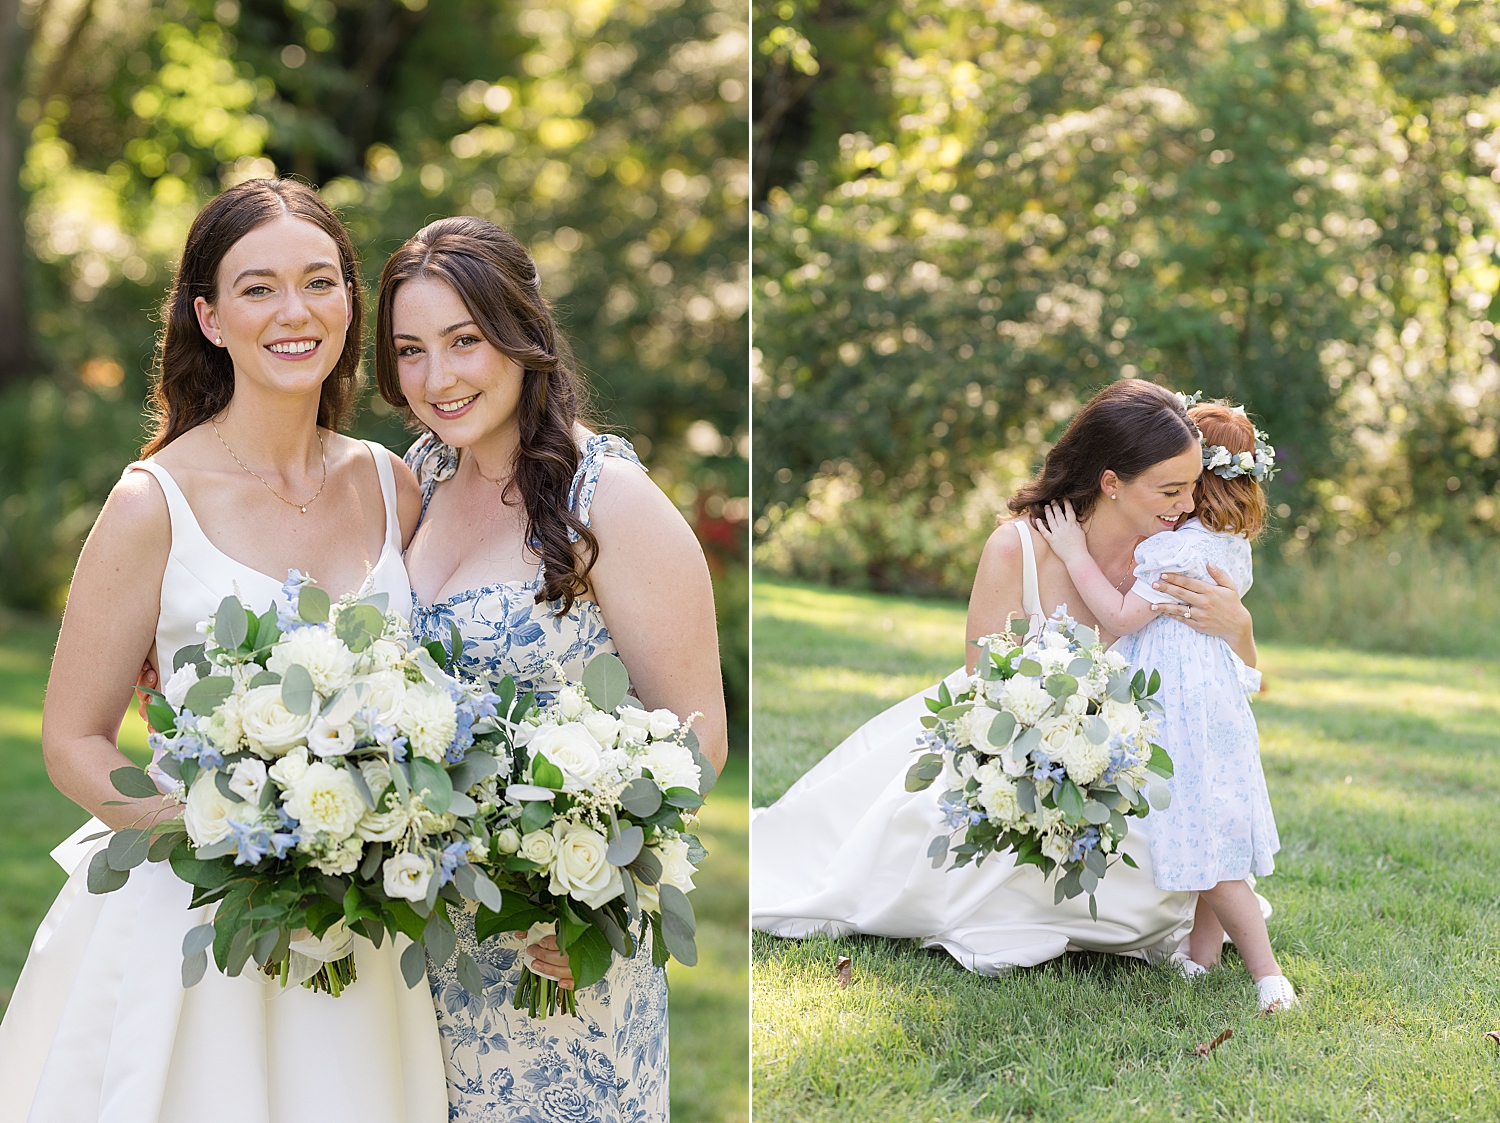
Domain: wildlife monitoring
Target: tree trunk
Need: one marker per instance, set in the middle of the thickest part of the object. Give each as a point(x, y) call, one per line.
point(16, 358)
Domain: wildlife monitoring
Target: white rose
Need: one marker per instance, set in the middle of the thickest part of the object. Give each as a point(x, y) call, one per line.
point(290, 768)
point(323, 654)
point(1025, 698)
point(407, 875)
point(676, 870)
point(1084, 760)
point(647, 896)
point(662, 723)
point(526, 731)
point(248, 779)
point(207, 811)
point(635, 724)
point(383, 654)
point(429, 719)
point(538, 847)
point(508, 839)
point(603, 727)
point(325, 799)
point(1010, 763)
point(383, 826)
point(1076, 704)
point(997, 795)
point(177, 686)
point(671, 764)
point(571, 749)
point(384, 690)
point(326, 739)
point(581, 869)
point(268, 725)
point(1122, 718)
point(570, 702)
point(1057, 734)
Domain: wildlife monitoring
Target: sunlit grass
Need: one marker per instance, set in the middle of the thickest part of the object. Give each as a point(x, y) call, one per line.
point(1384, 772)
point(708, 1004)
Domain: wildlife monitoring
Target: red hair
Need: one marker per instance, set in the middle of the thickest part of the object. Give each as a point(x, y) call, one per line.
point(1236, 506)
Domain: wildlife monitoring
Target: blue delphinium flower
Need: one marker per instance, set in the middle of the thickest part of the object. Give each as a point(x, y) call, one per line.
point(448, 861)
point(386, 735)
point(185, 744)
point(957, 813)
point(286, 614)
point(1087, 840)
point(253, 840)
point(1044, 769)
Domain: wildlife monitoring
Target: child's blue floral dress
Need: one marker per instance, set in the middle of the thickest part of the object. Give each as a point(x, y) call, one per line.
point(1219, 826)
point(610, 1065)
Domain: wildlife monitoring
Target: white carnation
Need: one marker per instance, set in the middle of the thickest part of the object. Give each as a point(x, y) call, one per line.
point(268, 725)
point(1055, 845)
point(997, 795)
point(341, 858)
point(429, 719)
point(325, 799)
point(323, 654)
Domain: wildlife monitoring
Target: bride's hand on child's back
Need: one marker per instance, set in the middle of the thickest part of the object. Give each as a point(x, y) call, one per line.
point(1061, 530)
point(1212, 608)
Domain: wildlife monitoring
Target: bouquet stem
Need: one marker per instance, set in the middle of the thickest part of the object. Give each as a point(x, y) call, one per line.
point(541, 996)
point(330, 978)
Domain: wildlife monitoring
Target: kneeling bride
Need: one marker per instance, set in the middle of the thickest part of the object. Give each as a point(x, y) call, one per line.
point(845, 849)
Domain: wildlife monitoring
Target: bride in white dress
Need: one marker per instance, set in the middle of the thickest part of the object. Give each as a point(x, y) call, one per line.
point(245, 479)
point(845, 849)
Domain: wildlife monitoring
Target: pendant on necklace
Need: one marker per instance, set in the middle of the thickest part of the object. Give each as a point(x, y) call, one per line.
point(303, 510)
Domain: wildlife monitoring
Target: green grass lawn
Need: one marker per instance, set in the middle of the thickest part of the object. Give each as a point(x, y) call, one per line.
point(709, 1002)
point(1384, 773)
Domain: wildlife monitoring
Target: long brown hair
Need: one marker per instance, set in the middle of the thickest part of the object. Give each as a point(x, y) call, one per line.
point(1127, 427)
point(1236, 506)
point(497, 280)
point(195, 379)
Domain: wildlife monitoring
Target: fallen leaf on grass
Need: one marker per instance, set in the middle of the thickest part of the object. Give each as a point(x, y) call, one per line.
point(1494, 1035)
point(843, 969)
point(1205, 1048)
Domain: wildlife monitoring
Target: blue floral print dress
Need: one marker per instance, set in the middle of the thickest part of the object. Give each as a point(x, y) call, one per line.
point(610, 1065)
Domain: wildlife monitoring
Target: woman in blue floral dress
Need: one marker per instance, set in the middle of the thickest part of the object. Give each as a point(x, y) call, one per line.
point(545, 544)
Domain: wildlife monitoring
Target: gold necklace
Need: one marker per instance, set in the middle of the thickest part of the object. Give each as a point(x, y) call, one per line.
point(322, 452)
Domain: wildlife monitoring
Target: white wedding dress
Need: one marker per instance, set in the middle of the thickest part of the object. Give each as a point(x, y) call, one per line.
point(100, 1028)
point(845, 851)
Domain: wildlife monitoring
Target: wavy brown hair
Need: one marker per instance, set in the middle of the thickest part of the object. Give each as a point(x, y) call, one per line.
point(497, 280)
point(195, 379)
point(1127, 427)
point(1236, 506)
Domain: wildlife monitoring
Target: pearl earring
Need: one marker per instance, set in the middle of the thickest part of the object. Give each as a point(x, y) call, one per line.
point(218, 341)
point(1114, 497)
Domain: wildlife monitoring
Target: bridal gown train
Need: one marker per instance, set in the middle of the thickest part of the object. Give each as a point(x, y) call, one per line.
point(845, 851)
point(100, 1028)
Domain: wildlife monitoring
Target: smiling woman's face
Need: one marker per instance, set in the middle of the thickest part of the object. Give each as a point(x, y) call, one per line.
point(458, 384)
point(1161, 496)
point(282, 309)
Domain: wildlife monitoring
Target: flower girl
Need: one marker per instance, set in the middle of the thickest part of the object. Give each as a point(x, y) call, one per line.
point(1218, 830)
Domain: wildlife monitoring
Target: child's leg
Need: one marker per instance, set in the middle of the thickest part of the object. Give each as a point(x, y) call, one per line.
point(1235, 906)
point(1207, 938)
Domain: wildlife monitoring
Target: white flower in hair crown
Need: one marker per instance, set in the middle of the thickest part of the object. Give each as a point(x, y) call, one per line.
point(1259, 465)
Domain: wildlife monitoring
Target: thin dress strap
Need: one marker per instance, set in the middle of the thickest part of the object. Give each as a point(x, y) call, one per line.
point(185, 528)
point(1031, 598)
point(387, 493)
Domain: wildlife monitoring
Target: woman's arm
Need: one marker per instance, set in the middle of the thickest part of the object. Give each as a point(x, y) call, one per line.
point(1119, 613)
point(107, 631)
point(652, 584)
point(1213, 609)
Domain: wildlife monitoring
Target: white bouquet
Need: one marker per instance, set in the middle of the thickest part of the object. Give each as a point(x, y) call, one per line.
point(594, 843)
point(1046, 753)
point(331, 773)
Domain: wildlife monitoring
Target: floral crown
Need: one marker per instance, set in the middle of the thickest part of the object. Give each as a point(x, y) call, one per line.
point(1259, 465)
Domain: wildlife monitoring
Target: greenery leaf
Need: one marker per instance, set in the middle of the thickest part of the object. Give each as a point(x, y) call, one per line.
point(414, 958)
point(359, 625)
point(545, 774)
point(430, 780)
point(1002, 729)
point(230, 625)
point(469, 975)
point(625, 846)
point(133, 782)
point(606, 681)
point(102, 877)
point(313, 605)
point(1160, 762)
point(440, 938)
point(127, 849)
point(206, 695)
point(641, 797)
point(589, 957)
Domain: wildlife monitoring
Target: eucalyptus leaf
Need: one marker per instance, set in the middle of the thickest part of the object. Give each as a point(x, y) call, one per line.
point(1088, 880)
point(469, 975)
point(1096, 862)
point(133, 782)
point(1062, 686)
point(1085, 636)
point(1095, 729)
point(641, 797)
point(313, 605)
point(954, 712)
point(475, 766)
point(937, 850)
point(1026, 742)
point(1160, 796)
point(461, 805)
point(1119, 687)
point(1002, 729)
point(358, 779)
point(440, 938)
point(102, 877)
point(1029, 667)
point(1026, 794)
point(1095, 812)
point(226, 845)
point(380, 602)
point(359, 625)
point(1080, 666)
point(193, 653)
point(127, 849)
point(1070, 800)
point(194, 967)
point(265, 678)
point(230, 625)
point(606, 681)
point(625, 846)
point(678, 925)
point(413, 960)
point(221, 781)
point(535, 816)
point(205, 695)
point(431, 781)
point(486, 891)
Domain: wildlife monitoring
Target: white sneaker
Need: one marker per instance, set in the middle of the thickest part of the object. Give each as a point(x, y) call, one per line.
point(1275, 994)
point(1188, 968)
